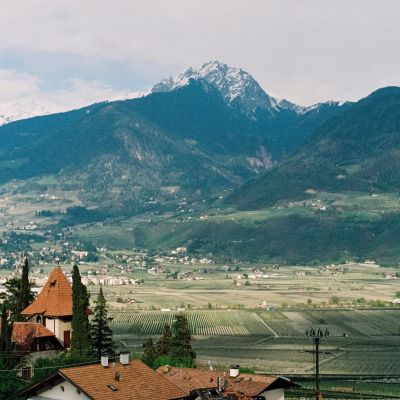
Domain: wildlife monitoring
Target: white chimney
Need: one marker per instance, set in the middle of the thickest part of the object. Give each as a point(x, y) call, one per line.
point(124, 357)
point(104, 361)
point(234, 371)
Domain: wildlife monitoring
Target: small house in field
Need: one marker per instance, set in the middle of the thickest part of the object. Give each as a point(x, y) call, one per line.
point(118, 381)
point(227, 384)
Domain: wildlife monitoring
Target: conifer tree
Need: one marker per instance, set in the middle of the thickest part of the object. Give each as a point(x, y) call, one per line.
point(26, 294)
point(164, 343)
point(19, 294)
point(181, 349)
point(149, 352)
point(80, 341)
point(100, 330)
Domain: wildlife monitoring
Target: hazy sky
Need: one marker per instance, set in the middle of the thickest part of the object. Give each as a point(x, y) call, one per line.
point(67, 53)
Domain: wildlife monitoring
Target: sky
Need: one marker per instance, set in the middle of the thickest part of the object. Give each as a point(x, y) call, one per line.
point(69, 53)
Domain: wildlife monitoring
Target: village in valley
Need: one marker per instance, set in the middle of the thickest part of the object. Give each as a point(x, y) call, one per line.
point(246, 320)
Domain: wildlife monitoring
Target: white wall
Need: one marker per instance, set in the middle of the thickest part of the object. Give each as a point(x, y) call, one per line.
point(276, 394)
point(58, 327)
point(56, 393)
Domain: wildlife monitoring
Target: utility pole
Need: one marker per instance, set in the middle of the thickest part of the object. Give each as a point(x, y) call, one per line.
point(316, 336)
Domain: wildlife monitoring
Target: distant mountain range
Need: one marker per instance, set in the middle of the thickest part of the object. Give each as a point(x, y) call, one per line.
point(358, 150)
point(213, 129)
point(198, 133)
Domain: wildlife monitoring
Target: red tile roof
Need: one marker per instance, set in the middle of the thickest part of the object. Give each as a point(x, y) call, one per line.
point(55, 299)
point(188, 379)
point(137, 382)
point(24, 333)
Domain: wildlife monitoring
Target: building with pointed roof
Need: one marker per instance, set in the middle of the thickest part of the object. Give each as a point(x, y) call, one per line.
point(53, 307)
point(55, 299)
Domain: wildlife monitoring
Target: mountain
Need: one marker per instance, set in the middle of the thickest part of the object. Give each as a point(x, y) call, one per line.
point(16, 111)
point(238, 88)
point(192, 134)
point(284, 123)
point(335, 199)
point(358, 150)
point(188, 140)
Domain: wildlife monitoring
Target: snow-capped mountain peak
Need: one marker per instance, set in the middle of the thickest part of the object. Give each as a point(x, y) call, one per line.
point(16, 111)
point(238, 88)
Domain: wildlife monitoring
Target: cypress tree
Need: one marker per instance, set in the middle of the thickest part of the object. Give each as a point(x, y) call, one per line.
point(26, 295)
point(19, 294)
point(100, 330)
point(80, 341)
point(164, 343)
point(181, 349)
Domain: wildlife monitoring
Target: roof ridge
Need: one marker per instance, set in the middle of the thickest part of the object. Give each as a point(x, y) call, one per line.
point(55, 299)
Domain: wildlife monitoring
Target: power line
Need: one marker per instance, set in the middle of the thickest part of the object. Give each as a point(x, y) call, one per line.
point(53, 367)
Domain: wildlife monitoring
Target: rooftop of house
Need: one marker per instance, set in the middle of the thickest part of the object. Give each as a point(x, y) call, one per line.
point(134, 381)
point(55, 299)
point(24, 333)
point(247, 385)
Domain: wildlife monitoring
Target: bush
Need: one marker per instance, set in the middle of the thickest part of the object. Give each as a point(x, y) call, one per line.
point(246, 370)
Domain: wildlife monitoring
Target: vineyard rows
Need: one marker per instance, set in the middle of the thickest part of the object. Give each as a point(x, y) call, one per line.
point(340, 323)
point(206, 323)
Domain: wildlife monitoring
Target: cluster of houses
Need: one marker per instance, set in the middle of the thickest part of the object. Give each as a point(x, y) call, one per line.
point(133, 380)
point(47, 331)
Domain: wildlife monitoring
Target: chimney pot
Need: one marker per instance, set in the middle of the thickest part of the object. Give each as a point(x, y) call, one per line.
point(234, 371)
point(104, 361)
point(124, 357)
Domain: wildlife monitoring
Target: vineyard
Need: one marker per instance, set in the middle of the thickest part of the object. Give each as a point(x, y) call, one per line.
point(202, 323)
point(348, 323)
point(360, 341)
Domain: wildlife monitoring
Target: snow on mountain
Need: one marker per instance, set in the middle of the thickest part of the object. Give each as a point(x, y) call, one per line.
point(11, 112)
point(238, 87)
point(16, 111)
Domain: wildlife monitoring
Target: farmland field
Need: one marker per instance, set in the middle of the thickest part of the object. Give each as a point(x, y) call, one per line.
point(360, 342)
point(202, 323)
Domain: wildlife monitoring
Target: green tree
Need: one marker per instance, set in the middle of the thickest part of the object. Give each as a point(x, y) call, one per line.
point(100, 330)
point(6, 355)
point(18, 294)
point(164, 343)
point(81, 341)
point(181, 348)
point(149, 352)
point(334, 300)
point(26, 295)
point(12, 296)
point(10, 383)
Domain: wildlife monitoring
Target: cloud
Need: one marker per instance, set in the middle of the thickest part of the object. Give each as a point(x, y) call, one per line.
point(24, 90)
point(304, 50)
